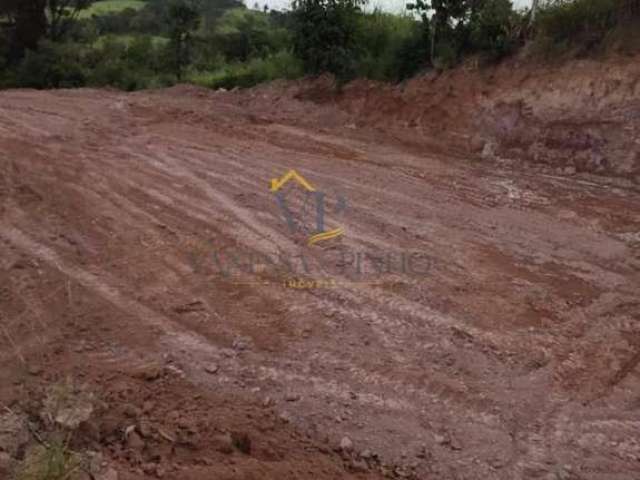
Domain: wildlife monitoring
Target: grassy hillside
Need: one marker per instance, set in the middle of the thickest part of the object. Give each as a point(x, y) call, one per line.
point(111, 6)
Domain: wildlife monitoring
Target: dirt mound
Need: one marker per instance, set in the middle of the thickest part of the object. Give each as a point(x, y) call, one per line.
point(581, 116)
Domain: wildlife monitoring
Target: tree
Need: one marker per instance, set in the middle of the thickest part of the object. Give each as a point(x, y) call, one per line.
point(183, 17)
point(324, 35)
point(62, 14)
point(439, 17)
point(491, 29)
point(29, 21)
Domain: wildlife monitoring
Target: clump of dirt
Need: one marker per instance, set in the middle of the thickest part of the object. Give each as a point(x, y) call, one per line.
point(150, 423)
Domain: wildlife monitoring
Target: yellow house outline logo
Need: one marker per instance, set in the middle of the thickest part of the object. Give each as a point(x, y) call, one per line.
point(292, 175)
point(278, 183)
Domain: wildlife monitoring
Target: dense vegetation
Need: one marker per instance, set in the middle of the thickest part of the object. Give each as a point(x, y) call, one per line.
point(134, 44)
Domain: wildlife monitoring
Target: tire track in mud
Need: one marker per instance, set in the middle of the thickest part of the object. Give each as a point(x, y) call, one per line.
point(181, 342)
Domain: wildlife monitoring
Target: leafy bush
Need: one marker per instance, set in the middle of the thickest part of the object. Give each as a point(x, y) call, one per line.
point(325, 35)
point(53, 65)
point(412, 55)
point(383, 39)
point(279, 65)
point(492, 29)
point(241, 34)
point(581, 26)
point(128, 63)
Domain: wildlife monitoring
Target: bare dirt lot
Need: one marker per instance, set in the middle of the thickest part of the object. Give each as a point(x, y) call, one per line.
point(514, 357)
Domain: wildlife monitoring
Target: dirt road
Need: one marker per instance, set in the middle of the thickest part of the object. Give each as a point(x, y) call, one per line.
point(513, 354)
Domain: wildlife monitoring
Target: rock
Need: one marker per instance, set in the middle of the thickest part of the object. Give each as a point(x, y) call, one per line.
point(292, 397)
point(96, 462)
point(240, 345)
point(151, 373)
point(89, 431)
point(14, 433)
point(135, 442)
point(211, 369)
point(440, 439)
point(488, 151)
point(366, 454)
point(144, 428)
point(35, 370)
point(131, 410)
point(69, 414)
point(285, 417)
point(346, 445)
point(359, 466)
point(422, 452)
point(476, 144)
point(6, 465)
point(455, 444)
point(107, 474)
point(402, 472)
point(223, 443)
point(569, 170)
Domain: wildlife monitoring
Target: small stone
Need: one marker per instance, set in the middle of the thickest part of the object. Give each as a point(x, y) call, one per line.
point(292, 397)
point(131, 411)
point(346, 445)
point(151, 374)
point(6, 465)
point(144, 428)
point(359, 466)
point(107, 474)
point(569, 170)
point(35, 370)
point(455, 444)
point(366, 454)
point(14, 434)
point(212, 369)
point(477, 144)
point(285, 417)
point(223, 443)
point(402, 472)
point(240, 345)
point(134, 442)
point(440, 439)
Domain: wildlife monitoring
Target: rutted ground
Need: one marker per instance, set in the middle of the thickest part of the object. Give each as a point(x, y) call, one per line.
point(514, 357)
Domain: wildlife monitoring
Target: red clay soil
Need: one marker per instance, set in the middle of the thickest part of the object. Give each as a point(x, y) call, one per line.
point(512, 354)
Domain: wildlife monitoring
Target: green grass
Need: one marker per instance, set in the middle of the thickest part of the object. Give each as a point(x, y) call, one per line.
point(257, 70)
point(111, 6)
point(126, 40)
